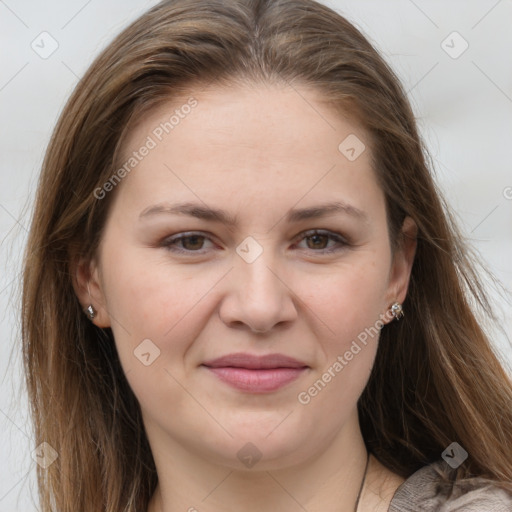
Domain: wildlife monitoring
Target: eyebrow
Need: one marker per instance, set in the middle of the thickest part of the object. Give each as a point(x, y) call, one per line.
point(217, 215)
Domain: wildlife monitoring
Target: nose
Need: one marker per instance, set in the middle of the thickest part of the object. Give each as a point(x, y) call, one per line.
point(259, 298)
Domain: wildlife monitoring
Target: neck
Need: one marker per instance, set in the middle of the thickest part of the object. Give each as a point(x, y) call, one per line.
point(329, 481)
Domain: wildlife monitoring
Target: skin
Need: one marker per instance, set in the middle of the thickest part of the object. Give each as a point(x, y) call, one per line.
point(256, 151)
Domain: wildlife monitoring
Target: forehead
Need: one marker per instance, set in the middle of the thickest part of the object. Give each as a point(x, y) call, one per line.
point(245, 142)
point(290, 118)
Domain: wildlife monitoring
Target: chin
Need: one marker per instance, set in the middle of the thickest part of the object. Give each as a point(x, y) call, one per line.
point(262, 448)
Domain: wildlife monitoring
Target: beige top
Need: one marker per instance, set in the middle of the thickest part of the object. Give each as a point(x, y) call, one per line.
point(421, 493)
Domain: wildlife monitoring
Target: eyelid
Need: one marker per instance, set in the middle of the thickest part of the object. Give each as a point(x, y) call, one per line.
point(168, 242)
point(340, 239)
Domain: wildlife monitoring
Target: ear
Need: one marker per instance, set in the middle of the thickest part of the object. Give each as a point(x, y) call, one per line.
point(88, 288)
point(403, 260)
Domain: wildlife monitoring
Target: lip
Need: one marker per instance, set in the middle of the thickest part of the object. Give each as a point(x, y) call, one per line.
point(256, 374)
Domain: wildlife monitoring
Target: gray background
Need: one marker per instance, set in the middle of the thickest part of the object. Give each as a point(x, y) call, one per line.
point(463, 106)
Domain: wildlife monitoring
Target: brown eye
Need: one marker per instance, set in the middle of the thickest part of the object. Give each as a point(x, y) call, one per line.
point(323, 242)
point(192, 243)
point(186, 243)
point(317, 241)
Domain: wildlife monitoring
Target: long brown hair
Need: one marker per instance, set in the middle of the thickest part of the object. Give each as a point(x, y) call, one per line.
point(436, 378)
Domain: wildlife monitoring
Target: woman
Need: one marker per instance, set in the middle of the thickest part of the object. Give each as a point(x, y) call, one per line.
point(241, 288)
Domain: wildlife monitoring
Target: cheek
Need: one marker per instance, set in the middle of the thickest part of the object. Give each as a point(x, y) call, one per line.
point(162, 304)
point(349, 303)
point(348, 299)
point(156, 301)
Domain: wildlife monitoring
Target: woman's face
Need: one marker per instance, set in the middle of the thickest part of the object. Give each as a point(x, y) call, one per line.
point(210, 252)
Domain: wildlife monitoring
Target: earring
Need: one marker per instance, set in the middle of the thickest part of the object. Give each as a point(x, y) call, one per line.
point(91, 311)
point(397, 311)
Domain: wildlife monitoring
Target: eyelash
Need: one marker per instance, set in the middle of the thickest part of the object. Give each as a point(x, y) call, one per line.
point(170, 243)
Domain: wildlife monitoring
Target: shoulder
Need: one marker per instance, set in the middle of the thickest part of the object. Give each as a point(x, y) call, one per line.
point(426, 491)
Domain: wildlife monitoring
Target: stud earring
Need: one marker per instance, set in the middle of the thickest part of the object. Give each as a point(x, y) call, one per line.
point(91, 312)
point(397, 310)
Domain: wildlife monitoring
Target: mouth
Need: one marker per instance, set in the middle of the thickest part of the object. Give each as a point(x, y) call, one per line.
point(256, 374)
